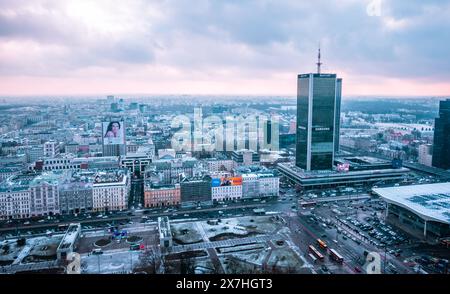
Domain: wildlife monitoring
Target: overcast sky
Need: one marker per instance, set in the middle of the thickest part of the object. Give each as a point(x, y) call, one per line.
point(223, 46)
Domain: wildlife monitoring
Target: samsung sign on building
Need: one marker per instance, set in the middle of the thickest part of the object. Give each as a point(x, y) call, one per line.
point(321, 129)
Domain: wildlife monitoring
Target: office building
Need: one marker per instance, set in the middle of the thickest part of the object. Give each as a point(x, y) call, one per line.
point(171, 171)
point(337, 111)
point(51, 149)
point(257, 185)
point(441, 154)
point(75, 197)
point(161, 195)
point(425, 154)
point(71, 163)
point(349, 172)
point(196, 191)
point(137, 161)
point(317, 107)
point(226, 188)
point(113, 138)
point(216, 165)
point(111, 190)
point(15, 197)
point(245, 157)
point(34, 153)
point(44, 194)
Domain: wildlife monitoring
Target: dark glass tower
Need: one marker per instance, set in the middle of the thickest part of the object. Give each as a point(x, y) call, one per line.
point(337, 123)
point(316, 119)
point(441, 145)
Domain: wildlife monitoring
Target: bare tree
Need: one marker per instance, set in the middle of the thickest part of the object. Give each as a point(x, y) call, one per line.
point(147, 262)
point(187, 265)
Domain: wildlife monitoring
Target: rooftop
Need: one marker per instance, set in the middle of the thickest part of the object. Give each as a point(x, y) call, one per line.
point(362, 160)
point(333, 173)
point(70, 236)
point(430, 201)
point(108, 177)
point(18, 182)
point(53, 177)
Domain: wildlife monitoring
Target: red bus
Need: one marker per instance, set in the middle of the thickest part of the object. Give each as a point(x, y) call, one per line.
point(322, 244)
point(336, 256)
point(315, 252)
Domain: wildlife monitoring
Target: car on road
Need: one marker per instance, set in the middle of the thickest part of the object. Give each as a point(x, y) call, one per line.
point(97, 251)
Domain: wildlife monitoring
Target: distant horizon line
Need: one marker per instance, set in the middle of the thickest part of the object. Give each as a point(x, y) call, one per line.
point(148, 95)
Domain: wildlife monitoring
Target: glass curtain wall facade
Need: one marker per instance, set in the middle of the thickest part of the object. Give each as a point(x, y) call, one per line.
point(441, 145)
point(316, 118)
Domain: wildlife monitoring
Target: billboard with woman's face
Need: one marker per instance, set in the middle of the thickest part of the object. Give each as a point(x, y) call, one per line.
point(113, 132)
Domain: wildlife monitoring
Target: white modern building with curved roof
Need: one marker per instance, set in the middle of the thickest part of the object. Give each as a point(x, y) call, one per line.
point(425, 207)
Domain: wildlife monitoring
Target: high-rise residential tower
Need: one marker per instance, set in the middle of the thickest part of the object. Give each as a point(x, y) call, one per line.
point(441, 145)
point(318, 117)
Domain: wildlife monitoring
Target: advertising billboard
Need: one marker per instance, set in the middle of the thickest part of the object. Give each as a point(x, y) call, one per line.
point(215, 182)
point(236, 181)
point(344, 167)
point(113, 132)
point(226, 181)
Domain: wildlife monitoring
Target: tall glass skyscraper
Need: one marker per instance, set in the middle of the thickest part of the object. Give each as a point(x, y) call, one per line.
point(337, 123)
point(441, 144)
point(318, 116)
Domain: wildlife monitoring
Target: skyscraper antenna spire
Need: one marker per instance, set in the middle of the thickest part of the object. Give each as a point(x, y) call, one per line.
point(319, 64)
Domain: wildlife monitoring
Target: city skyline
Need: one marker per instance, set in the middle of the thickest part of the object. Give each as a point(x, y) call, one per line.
point(257, 137)
point(221, 48)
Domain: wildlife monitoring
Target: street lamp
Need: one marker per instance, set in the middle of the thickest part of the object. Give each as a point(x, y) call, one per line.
point(385, 260)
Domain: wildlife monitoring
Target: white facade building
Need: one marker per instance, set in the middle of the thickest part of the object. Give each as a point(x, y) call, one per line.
point(425, 154)
point(260, 185)
point(269, 185)
point(226, 193)
point(111, 191)
point(14, 204)
point(44, 195)
point(51, 149)
point(34, 153)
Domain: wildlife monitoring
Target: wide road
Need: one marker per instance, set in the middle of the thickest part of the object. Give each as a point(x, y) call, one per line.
point(136, 216)
point(341, 198)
